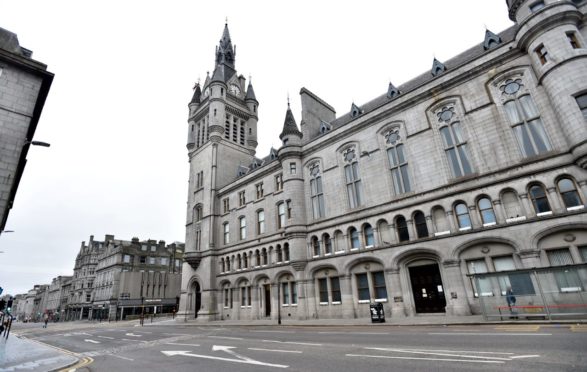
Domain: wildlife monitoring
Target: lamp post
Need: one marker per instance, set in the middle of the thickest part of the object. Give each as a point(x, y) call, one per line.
point(37, 143)
point(278, 303)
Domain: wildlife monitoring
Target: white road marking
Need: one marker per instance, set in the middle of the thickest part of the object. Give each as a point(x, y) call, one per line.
point(459, 351)
point(133, 335)
point(121, 357)
point(489, 334)
point(368, 333)
point(106, 337)
point(436, 359)
point(277, 351)
point(92, 341)
point(291, 342)
point(227, 349)
point(175, 343)
point(227, 338)
point(437, 354)
point(255, 362)
point(524, 356)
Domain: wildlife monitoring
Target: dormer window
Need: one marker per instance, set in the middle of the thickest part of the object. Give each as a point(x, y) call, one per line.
point(355, 111)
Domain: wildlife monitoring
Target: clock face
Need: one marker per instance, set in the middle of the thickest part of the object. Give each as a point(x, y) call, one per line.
point(234, 89)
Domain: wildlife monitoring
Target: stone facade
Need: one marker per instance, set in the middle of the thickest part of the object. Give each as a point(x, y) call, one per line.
point(479, 164)
point(24, 85)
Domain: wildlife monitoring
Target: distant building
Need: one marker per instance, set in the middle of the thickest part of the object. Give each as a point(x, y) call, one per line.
point(24, 85)
point(56, 297)
point(82, 284)
point(476, 166)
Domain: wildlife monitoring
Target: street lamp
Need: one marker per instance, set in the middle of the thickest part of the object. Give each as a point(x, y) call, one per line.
point(37, 143)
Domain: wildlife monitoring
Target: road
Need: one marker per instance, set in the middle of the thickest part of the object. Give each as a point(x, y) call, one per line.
point(189, 347)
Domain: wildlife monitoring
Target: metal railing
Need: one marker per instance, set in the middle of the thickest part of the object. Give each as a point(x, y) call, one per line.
point(538, 293)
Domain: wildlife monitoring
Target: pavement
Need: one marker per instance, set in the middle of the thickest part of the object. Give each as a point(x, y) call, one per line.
point(18, 353)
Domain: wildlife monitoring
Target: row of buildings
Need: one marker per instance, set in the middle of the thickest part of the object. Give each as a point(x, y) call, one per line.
point(112, 279)
point(475, 167)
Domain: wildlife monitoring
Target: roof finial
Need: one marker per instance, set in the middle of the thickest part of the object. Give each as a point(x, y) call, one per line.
point(288, 100)
point(226, 21)
point(250, 79)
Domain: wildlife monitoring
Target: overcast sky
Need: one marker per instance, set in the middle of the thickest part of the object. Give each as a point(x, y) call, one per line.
point(116, 114)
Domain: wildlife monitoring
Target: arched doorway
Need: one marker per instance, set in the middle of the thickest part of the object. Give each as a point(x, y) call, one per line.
point(427, 287)
point(198, 296)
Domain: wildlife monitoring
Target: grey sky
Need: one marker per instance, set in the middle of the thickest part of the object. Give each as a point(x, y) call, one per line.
point(124, 71)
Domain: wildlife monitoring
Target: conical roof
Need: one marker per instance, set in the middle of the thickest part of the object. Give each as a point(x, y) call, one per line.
point(289, 126)
point(250, 93)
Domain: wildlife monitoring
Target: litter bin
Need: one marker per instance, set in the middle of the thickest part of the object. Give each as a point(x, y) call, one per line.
point(377, 313)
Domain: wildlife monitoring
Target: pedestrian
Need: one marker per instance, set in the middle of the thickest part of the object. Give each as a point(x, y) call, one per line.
point(46, 320)
point(511, 300)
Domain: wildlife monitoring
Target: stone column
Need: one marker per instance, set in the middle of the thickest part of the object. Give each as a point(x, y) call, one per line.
point(275, 300)
point(376, 240)
point(395, 293)
point(499, 212)
point(583, 187)
point(474, 216)
point(393, 234)
point(306, 299)
point(348, 302)
point(554, 200)
point(412, 229)
point(526, 205)
point(430, 226)
point(451, 221)
point(454, 289)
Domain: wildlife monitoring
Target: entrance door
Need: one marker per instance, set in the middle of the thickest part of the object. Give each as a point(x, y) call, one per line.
point(427, 288)
point(198, 300)
point(267, 290)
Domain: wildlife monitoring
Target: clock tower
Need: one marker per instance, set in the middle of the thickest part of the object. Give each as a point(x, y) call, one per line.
point(222, 134)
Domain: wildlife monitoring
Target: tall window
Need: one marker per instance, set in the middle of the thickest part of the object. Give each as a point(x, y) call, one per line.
point(568, 192)
point(397, 162)
point(226, 227)
point(243, 228)
point(539, 199)
point(572, 37)
point(582, 102)
point(486, 211)
point(524, 119)
point(279, 253)
point(280, 215)
point(264, 256)
point(225, 205)
point(379, 285)
point(279, 182)
point(289, 293)
point(353, 178)
point(567, 280)
point(421, 227)
point(323, 290)
point(463, 217)
point(335, 289)
point(316, 246)
point(260, 222)
point(402, 229)
point(286, 252)
point(484, 287)
point(355, 240)
point(241, 199)
point(368, 235)
point(259, 189)
point(197, 213)
point(454, 142)
point(316, 192)
point(363, 287)
point(327, 244)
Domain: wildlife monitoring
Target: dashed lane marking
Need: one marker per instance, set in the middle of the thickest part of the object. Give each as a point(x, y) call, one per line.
point(434, 359)
point(488, 334)
point(276, 351)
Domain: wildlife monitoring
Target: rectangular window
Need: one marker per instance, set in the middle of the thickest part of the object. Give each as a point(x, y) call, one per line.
point(317, 196)
point(288, 205)
point(127, 258)
point(504, 264)
point(363, 287)
point(354, 185)
point(200, 179)
point(379, 285)
point(241, 199)
point(541, 53)
point(279, 182)
point(143, 259)
point(225, 297)
point(153, 248)
point(243, 228)
point(280, 215)
point(572, 37)
point(582, 102)
point(226, 228)
point(292, 168)
point(259, 188)
point(294, 293)
point(285, 293)
point(481, 285)
point(164, 261)
point(323, 289)
point(335, 289)
point(177, 262)
point(243, 296)
point(151, 260)
point(225, 205)
point(567, 279)
point(143, 247)
point(261, 222)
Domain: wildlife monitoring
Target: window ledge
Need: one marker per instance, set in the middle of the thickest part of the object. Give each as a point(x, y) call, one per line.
point(339, 252)
point(575, 208)
point(284, 305)
point(354, 249)
point(327, 254)
point(515, 219)
point(294, 305)
point(369, 246)
point(315, 256)
point(489, 224)
point(571, 289)
point(323, 303)
point(549, 213)
point(381, 300)
point(487, 294)
point(465, 228)
point(364, 301)
point(336, 302)
point(441, 233)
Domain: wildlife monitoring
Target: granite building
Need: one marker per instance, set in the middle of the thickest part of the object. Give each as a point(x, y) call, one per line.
point(476, 166)
point(24, 85)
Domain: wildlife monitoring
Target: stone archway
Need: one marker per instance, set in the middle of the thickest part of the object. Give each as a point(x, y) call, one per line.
point(196, 289)
point(427, 287)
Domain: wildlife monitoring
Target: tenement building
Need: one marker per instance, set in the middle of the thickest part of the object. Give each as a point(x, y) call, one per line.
point(476, 166)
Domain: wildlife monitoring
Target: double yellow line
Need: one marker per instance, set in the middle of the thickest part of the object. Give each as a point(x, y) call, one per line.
point(82, 362)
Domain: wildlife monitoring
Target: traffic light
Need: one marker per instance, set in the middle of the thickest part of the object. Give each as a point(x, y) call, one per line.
point(2, 304)
point(9, 305)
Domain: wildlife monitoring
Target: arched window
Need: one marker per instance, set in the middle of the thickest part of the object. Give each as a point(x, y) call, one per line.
point(227, 263)
point(463, 218)
point(257, 258)
point(245, 261)
point(286, 252)
point(327, 244)
point(439, 218)
point(260, 222)
point(511, 205)
point(368, 235)
point(569, 193)
point(243, 228)
point(279, 253)
point(226, 229)
point(486, 211)
point(353, 178)
point(539, 199)
point(420, 221)
point(239, 262)
point(397, 162)
point(222, 265)
point(455, 145)
point(316, 193)
point(524, 119)
point(354, 236)
point(402, 229)
point(264, 255)
point(315, 246)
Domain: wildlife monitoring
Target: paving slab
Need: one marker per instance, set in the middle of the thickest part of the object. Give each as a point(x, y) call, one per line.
point(21, 354)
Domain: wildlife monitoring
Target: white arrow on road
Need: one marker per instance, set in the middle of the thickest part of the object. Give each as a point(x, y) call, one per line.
point(224, 348)
point(92, 341)
point(133, 335)
point(227, 350)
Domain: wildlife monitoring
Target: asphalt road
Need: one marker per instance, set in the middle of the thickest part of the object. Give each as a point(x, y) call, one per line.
point(179, 347)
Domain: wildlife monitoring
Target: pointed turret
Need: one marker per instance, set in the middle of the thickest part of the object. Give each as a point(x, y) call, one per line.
point(218, 75)
point(197, 94)
point(253, 105)
point(250, 93)
point(290, 128)
point(225, 53)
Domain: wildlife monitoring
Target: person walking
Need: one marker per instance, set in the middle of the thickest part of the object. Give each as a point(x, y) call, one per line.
point(511, 300)
point(46, 319)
